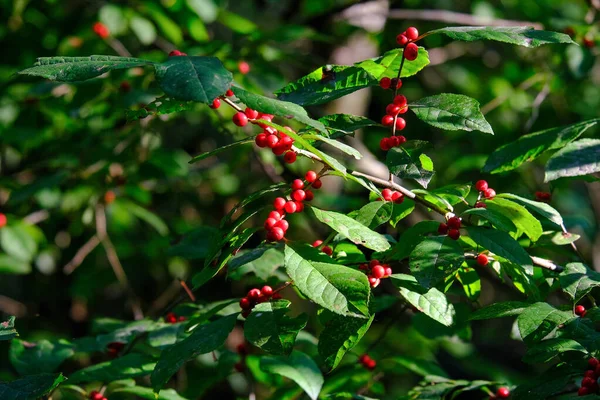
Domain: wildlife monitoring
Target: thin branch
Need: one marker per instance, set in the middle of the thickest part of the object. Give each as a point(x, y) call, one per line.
point(452, 17)
point(36, 217)
point(535, 108)
point(187, 290)
point(81, 254)
point(118, 47)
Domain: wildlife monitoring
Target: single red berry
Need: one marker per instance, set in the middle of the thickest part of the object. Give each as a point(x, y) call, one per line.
point(399, 140)
point(216, 103)
point(170, 318)
point(327, 250)
point(378, 272)
point(543, 196)
point(373, 263)
point(385, 83)
point(385, 144)
point(363, 267)
point(481, 185)
point(403, 110)
point(489, 193)
point(309, 195)
point(400, 100)
point(289, 157)
point(371, 364)
point(479, 204)
point(401, 39)
point(229, 93)
point(299, 195)
point(246, 313)
point(272, 141)
point(454, 223)
point(109, 197)
point(593, 362)
point(244, 67)
point(387, 120)
point(95, 395)
point(261, 140)
point(443, 229)
point(482, 260)
point(392, 109)
point(250, 113)
point(388, 270)
point(276, 234)
point(397, 197)
point(286, 142)
point(279, 149)
point(283, 224)
point(270, 223)
point(125, 86)
point(317, 184)
point(297, 184)
point(588, 42)
point(503, 393)
point(580, 310)
point(411, 51)
point(400, 123)
point(310, 176)
point(374, 282)
point(240, 119)
point(253, 294)
point(176, 53)
point(101, 30)
point(387, 194)
point(453, 234)
point(583, 391)
point(181, 318)
point(412, 33)
point(277, 215)
point(290, 207)
point(267, 290)
point(317, 243)
point(364, 358)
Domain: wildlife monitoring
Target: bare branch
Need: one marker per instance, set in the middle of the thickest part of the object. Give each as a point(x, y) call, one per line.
point(81, 254)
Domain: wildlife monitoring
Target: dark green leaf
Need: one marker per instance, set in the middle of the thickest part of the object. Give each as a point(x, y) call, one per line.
point(529, 147)
point(500, 243)
point(203, 339)
point(298, 367)
point(162, 105)
point(496, 218)
point(195, 78)
point(518, 215)
point(537, 207)
point(7, 329)
point(346, 123)
point(195, 244)
point(454, 194)
point(539, 319)
point(499, 310)
point(220, 149)
point(339, 335)
point(339, 289)
point(31, 387)
point(411, 164)
point(577, 280)
point(39, 357)
point(451, 112)
point(418, 366)
point(73, 69)
point(546, 350)
point(147, 393)
point(575, 159)
point(519, 35)
point(269, 328)
point(262, 261)
point(411, 238)
point(374, 214)
point(337, 144)
point(209, 310)
point(434, 259)
point(549, 383)
point(128, 366)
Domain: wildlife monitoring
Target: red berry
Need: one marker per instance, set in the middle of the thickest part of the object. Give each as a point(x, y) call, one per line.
point(397, 197)
point(371, 364)
point(277, 214)
point(253, 294)
point(387, 120)
point(283, 224)
point(276, 234)
point(411, 51)
point(176, 53)
point(245, 303)
point(101, 30)
point(385, 83)
point(317, 184)
point(327, 250)
point(95, 395)
point(412, 33)
point(580, 310)
point(317, 243)
point(400, 100)
point(398, 140)
point(442, 229)
point(396, 83)
point(503, 393)
point(593, 362)
point(289, 157)
point(266, 117)
point(454, 223)
point(387, 194)
point(400, 123)
point(388, 270)
point(588, 382)
point(271, 141)
point(590, 374)
point(482, 260)
point(392, 109)
point(240, 119)
point(453, 234)
point(378, 272)
point(401, 39)
point(588, 42)
point(310, 176)
point(279, 149)
point(297, 184)
point(290, 207)
point(244, 67)
point(374, 282)
point(245, 313)
point(215, 104)
point(583, 391)
point(267, 290)
point(261, 140)
point(109, 197)
point(250, 113)
point(229, 93)
point(171, 318)
point(299, 195)
point(373, 263)
point(269, 223)
point(489, 193)
point(385, 144)
point(299, 206)
point(481, 185)
point(364, 358)
point(479, 204)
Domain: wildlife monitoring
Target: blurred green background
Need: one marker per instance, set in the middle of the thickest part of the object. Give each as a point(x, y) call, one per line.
point(64, 146)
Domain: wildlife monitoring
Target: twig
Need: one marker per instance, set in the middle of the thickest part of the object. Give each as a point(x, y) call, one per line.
point(452, 17)
point(535, 108)
point(118, 47)
point(36, 217)
point(187, 290)
point(81, 254)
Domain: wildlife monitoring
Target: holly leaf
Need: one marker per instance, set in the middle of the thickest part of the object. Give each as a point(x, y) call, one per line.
point(30, 387)
point(298, 367)
point(12, 265)
point(470, 282)
point(418, 366)
point(538, 320)
point(434, 259)
point(346, 123)
point(270, 328)
point(410, 164)
point(519, 35)
point(160, 106)
point(518, 215)
point(374, 214)
point(39, 357)
point(147, 393)
point(578, 158)
point(17, 242)
point(128, 366)
point(387, 65)
point(537, 207)
point(548, 349)
point(500, 243)
point(577, 280)
point(451, 112)
point(499, 310)
point(494, 217)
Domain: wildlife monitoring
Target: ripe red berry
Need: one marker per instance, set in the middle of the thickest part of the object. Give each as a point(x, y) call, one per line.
point(309, 195)
point(289, 157)
point(588, 382)
point(590, 374)
point(442, 229)
point(277, 215)
point(364, 358)
point(583, 391)
point(481, 185)
point(317, 243)
point(397, 197)
point(240, 119)
point(454, 223)
point(385, 83)
point(290, 207)
point(400, 123)
point(216, 103)
point(109, 197)
point(398, 140)
point(299, 195)
point(482, 260)
point(244, 67)
point(286, 142)
point(101, 30)
point(411, 51)
point(229, 93)
point(453, 234)
point(387, 120)
point(593, 362)
point(385, 144)
point(388, 270)
point(371, 364)
point(297, 184)
point(250, 113)
point(401, 39)
point(253, 294)
point(387, 194)
point(272, 141)
point(489, 193)
point(400, 100)
point(283, 224)
point(588, 42)
point(267, 290)
point(327, 250)
point(580, 310)
point(176, 53)
point(479, 204)
point(245, 303)
point(279, 149)
point(299, 206)
point(392, 109)
point(373, 282)
point(317, 184)
point(378, 271)
point(261, 140)
point(270, 223)
point(310, 176)
point(373, 263)
point(503, 393)
point(95, 395)
point(412, 33)
point(276, 234)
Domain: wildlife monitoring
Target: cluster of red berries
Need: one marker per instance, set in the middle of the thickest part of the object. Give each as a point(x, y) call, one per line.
point(451, 228)
point(483, 259)
point(242, 350)
point(406, 39)
point(275, 224)
point(484, 190)
point(398, 106)
point(580, 311)
point(376, 272)
point(256, 296)
point(101, 30)
point(278, 142)
point(543, 196)
point(114, 348)
point(326, 249)
point(392, 195)
point(501, 393)
point(3, 220)
point(96, 395)
point(367, 362)
point(589, 383)
point(171, 318)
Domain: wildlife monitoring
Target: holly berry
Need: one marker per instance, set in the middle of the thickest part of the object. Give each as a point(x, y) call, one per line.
point(588, 382)
point(387, 194)
point(412, 33)
point(453, 234)
point(397, 197)
point(591, 374)
point(283, 224)
point(378, 272)
point(593, 362)
point(310, 176)
point(454, 223)
point(125, 86)
point(400, 100)
point(96, 395)
point(290, 207)
point(385, 83)
point(400, 123)
point(171, 318)
point(479, 204)
point(250, 113)
point(317, 184)
point(580, 310)
point(401, 39)
point(327, 250)
point(3, 220)
point(272, 141)
point(229, 93)
point(176, 53)
point(503, 393)
point(588, 42)
point(109, 197)
point(392, 109)
point(267, 290)
point(276, 234)
point(215, 104)
point(481, 185)
point(244, 67)
point(374, 282)
point(398, 140)
point(385, 144)
point(543, 196)
point(261, 140)
point(443, 229)
point(240, 119)
point(270, 223)
point(489, 193)
point(411, 51)
point(367, 362)
point(317, 243)
point(299, 195)
point(387, 120)
point(482, 260)
point(396, 83)
point(289, 157)
point(297, 184)
point(388, 270)
point(583, 391)
point(101, 30)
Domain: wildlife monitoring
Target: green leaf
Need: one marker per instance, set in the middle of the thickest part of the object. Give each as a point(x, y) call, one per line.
point(147, 393)
point(351, 229)
point(42, 356)
point(7, 329)
point(495, 217)
point(451, 112)
point(160, 106)
point(538, 320)
point(388, 65)
point(143, 29)
point(298, 367)
point(169, 28)
point(73, 69)
point(374, 214)
point(432, 302)
point(518, 215)
point(193, 78)
point(549, 383)
point(12, 265)
point(339, 335)
point(30, 387)
point(220, 149)
point(454, 194)
point(519, 35)
point(400, 211)
point(209, 310)
point(546, 350)
point(17, 242)
point(269, 328)
point(410, 164)
point(206, 9)
point(337, 144)
point(537, 207)
point(237, 23)
point(128, 366)
point(346, 123)
point(276, 107)
point(411, 238)
point(531, 146)
point(575, 159)
point(262, 261)
point(500, 243)
point(418, 366)
point(469, 279)
point(147, 216)
point(499, 310)
point(203, 339)
point(339, 289)
point(434, 259)
point(577, 280)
